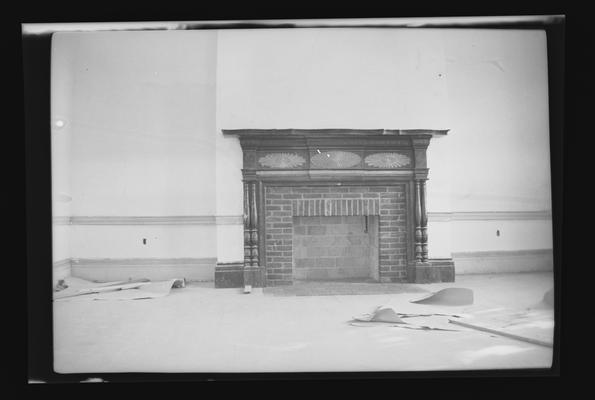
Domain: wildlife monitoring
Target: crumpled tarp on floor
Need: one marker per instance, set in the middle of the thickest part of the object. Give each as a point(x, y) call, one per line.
point(534, 324)
point(387, 316)
point(448, 297)
point(75, 289)
point(536, 329)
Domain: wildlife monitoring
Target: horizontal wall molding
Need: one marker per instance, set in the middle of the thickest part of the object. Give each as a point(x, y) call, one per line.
point(238, 219)
point(61, 220)
point(230, 220)
point(144, 220)
point(151, 220)
point(502, 253)
point(141, 262)
point(65, 263)
point(489, 216)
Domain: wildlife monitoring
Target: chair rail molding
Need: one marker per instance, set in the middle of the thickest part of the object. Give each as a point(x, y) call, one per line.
point(489, 215)
point(150, 220)
point(440, 216)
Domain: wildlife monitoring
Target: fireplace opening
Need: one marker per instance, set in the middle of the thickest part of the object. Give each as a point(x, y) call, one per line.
point(335, 248)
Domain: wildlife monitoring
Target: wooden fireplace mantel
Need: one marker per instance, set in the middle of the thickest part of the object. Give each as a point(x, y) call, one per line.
point(300, 149)
point(306, 157)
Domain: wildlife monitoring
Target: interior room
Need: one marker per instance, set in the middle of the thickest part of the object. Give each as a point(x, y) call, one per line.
point(285, 181)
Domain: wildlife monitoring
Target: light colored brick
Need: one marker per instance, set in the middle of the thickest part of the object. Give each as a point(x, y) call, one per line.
point(299, 230)
point(315, 251)
point(326, 262)
point(316, 230)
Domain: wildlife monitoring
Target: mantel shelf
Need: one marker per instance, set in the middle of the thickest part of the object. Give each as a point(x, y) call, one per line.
point(333, 132)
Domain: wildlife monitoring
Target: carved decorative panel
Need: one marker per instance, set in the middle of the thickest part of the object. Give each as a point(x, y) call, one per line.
point(387, 160)
point(335, 159)
point(281, 160)
point(249, 158)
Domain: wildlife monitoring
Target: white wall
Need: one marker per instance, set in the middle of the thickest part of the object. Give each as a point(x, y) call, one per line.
point(144, 113)
point(142, 119)
point(122, 241)
point(498, 149)
point(489, 87)
point(496, 157)
point(331, 78)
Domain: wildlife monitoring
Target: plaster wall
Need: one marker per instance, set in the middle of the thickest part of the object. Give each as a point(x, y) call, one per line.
point(143, 114)
point(140, 111)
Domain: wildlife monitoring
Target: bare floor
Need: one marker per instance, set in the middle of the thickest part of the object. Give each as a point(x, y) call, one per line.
point(202, 329)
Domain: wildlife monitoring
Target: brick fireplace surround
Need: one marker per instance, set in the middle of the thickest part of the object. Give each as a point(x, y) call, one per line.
point(306, 192)
point(285, 202)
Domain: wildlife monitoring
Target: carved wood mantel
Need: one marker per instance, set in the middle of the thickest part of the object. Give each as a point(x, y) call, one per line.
point(293, 157)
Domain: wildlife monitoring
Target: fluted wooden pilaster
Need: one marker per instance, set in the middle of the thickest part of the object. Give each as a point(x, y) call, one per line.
point(254, 258)
point(418, 222)
point(424, 221)
point(247, 225)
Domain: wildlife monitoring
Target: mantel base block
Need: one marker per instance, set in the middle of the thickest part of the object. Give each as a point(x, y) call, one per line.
point(254, 276)
point(229, 275)
point(433, 271)
point(235, 275)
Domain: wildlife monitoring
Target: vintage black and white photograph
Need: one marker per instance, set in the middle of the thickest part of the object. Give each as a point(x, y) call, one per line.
point(335, 198)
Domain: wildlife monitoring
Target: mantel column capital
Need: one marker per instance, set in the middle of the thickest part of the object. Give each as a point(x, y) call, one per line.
point(249, 175)
point(421, 174)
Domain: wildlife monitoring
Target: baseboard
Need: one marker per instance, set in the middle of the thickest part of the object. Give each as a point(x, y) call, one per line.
point(236, 275)
point(482, 262)
point(432, 271)
point(115, 269)
point(229, 275)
